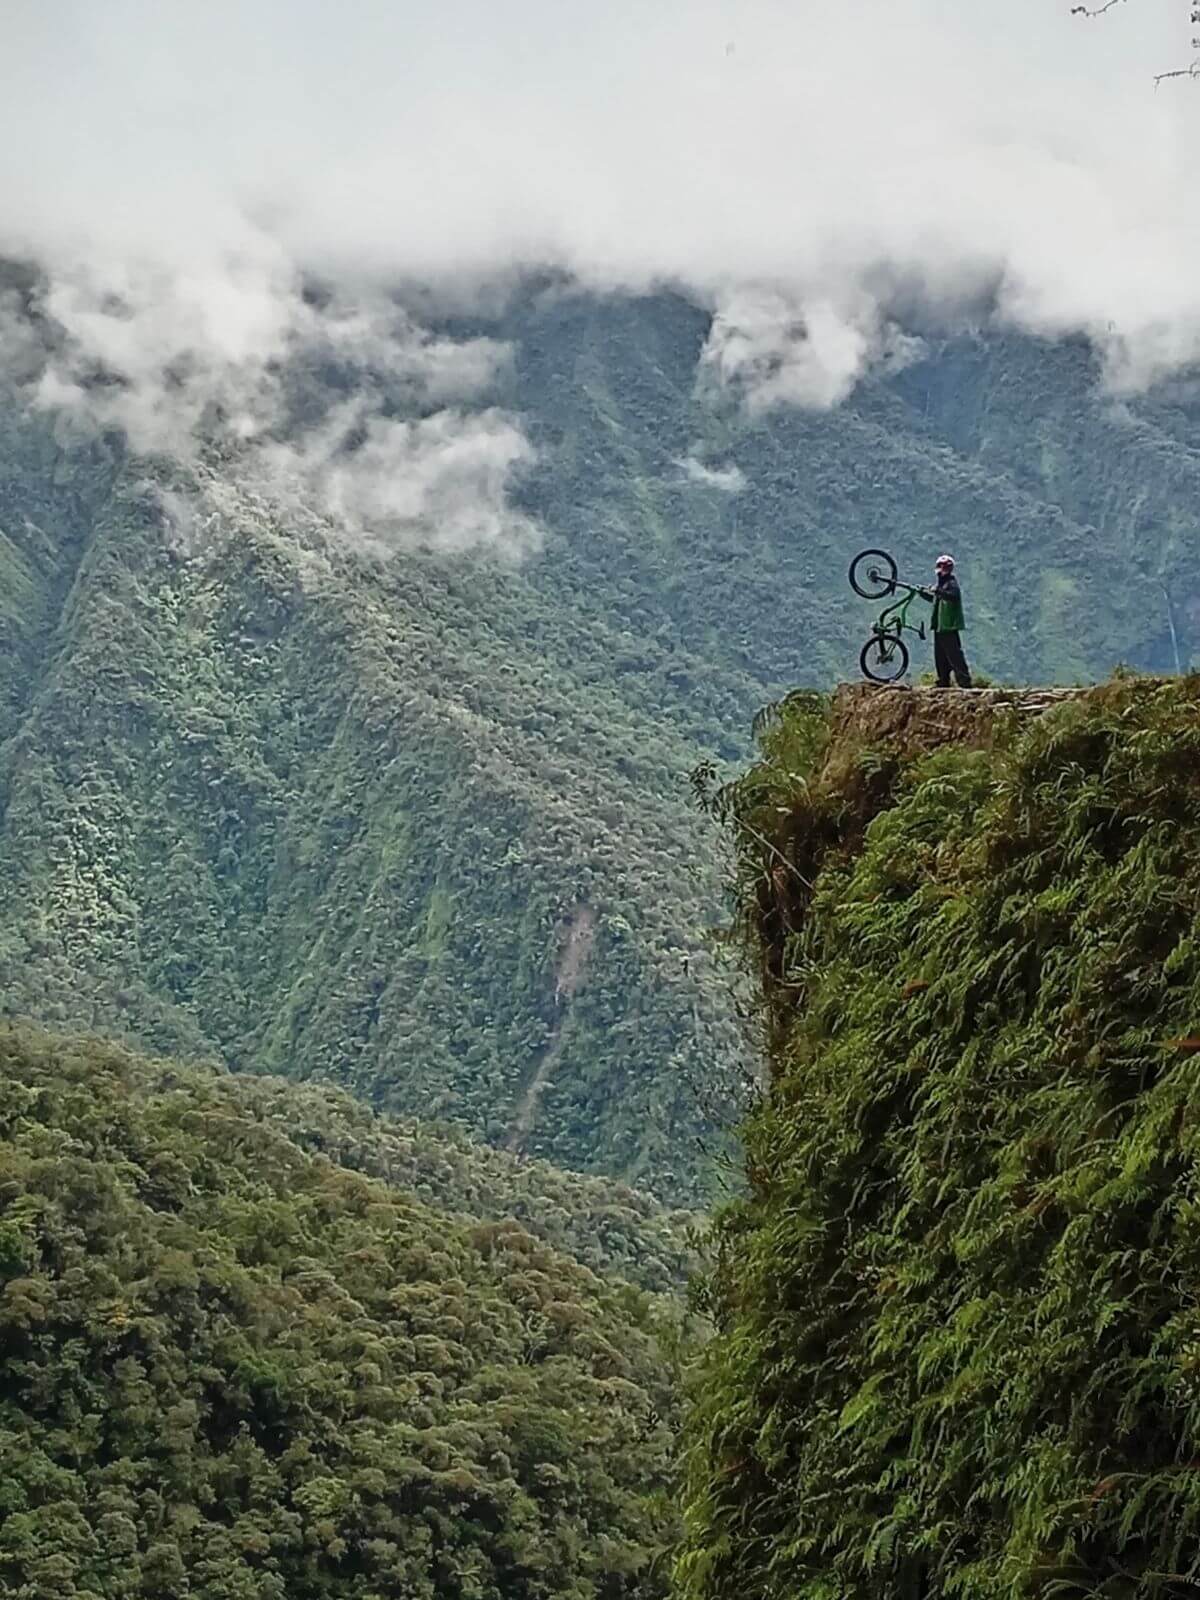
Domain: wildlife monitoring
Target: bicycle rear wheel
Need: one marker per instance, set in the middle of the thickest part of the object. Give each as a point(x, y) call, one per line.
point(873, 574)
point(884, 658)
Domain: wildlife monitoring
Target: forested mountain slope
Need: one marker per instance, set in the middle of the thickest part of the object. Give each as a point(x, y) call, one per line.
point(956, 1309)
point(613, 1230)
point(423, 826)
point(237, 1370)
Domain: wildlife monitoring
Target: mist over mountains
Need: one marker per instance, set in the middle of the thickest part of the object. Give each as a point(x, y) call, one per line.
point(426, 438)
point(828, 183)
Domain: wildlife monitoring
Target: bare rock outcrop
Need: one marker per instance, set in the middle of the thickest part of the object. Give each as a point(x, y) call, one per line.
point(908, 720)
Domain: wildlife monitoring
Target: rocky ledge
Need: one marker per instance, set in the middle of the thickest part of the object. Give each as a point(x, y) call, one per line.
point(906, 720)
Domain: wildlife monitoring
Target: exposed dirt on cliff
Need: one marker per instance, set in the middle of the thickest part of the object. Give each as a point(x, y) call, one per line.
point(569, 974)
point(906, 721)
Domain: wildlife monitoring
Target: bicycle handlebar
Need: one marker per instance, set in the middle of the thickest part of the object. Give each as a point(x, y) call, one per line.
point(897, 583)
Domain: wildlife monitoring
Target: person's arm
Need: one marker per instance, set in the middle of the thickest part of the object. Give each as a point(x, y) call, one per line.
point(946, 589)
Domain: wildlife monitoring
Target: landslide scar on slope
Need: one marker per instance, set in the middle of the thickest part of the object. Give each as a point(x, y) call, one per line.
point(569, 973)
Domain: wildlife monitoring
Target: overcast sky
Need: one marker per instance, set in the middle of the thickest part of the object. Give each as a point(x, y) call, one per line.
point(819, 159)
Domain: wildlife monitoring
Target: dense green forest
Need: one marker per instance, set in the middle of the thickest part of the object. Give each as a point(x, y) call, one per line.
point(236, 1369)
point(957, 1335)
point(422, 826)
point(599, 1222)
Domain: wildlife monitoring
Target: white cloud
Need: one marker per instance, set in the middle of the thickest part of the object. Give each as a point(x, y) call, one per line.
point(153, 353)
point(179, 169)
point(730, 479)
point(180, 361)
point(439, 482)
point(772, 350)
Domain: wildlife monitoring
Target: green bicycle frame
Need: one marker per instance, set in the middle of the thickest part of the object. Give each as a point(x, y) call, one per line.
point(893, 619)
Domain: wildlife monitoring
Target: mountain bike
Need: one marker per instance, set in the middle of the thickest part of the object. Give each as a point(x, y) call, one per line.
point(884, 657)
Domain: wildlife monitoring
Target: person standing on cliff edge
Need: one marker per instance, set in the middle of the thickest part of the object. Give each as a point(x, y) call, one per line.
point(947, 626)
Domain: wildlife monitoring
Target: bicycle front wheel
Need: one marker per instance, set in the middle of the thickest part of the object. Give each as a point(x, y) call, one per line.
point(873, 574)
point(884, 658)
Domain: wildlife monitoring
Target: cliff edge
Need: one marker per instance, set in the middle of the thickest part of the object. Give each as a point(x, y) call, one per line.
point(915, 719)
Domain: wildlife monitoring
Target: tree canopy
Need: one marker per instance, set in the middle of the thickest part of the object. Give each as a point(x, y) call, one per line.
point(234, 1369)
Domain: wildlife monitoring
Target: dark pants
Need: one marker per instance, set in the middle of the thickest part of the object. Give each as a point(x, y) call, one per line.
point(948, 658)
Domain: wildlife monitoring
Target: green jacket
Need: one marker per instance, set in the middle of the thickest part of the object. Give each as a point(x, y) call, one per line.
point(948, 606)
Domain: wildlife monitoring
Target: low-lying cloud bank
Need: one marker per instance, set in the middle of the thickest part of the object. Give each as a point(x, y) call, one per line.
point(824, 178)
point(345, 407)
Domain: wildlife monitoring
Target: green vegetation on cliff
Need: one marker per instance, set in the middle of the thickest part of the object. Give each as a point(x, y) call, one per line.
point(234, 1369)
point(958, 1346)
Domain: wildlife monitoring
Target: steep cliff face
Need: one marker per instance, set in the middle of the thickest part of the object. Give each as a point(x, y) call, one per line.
point(957, 1315)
